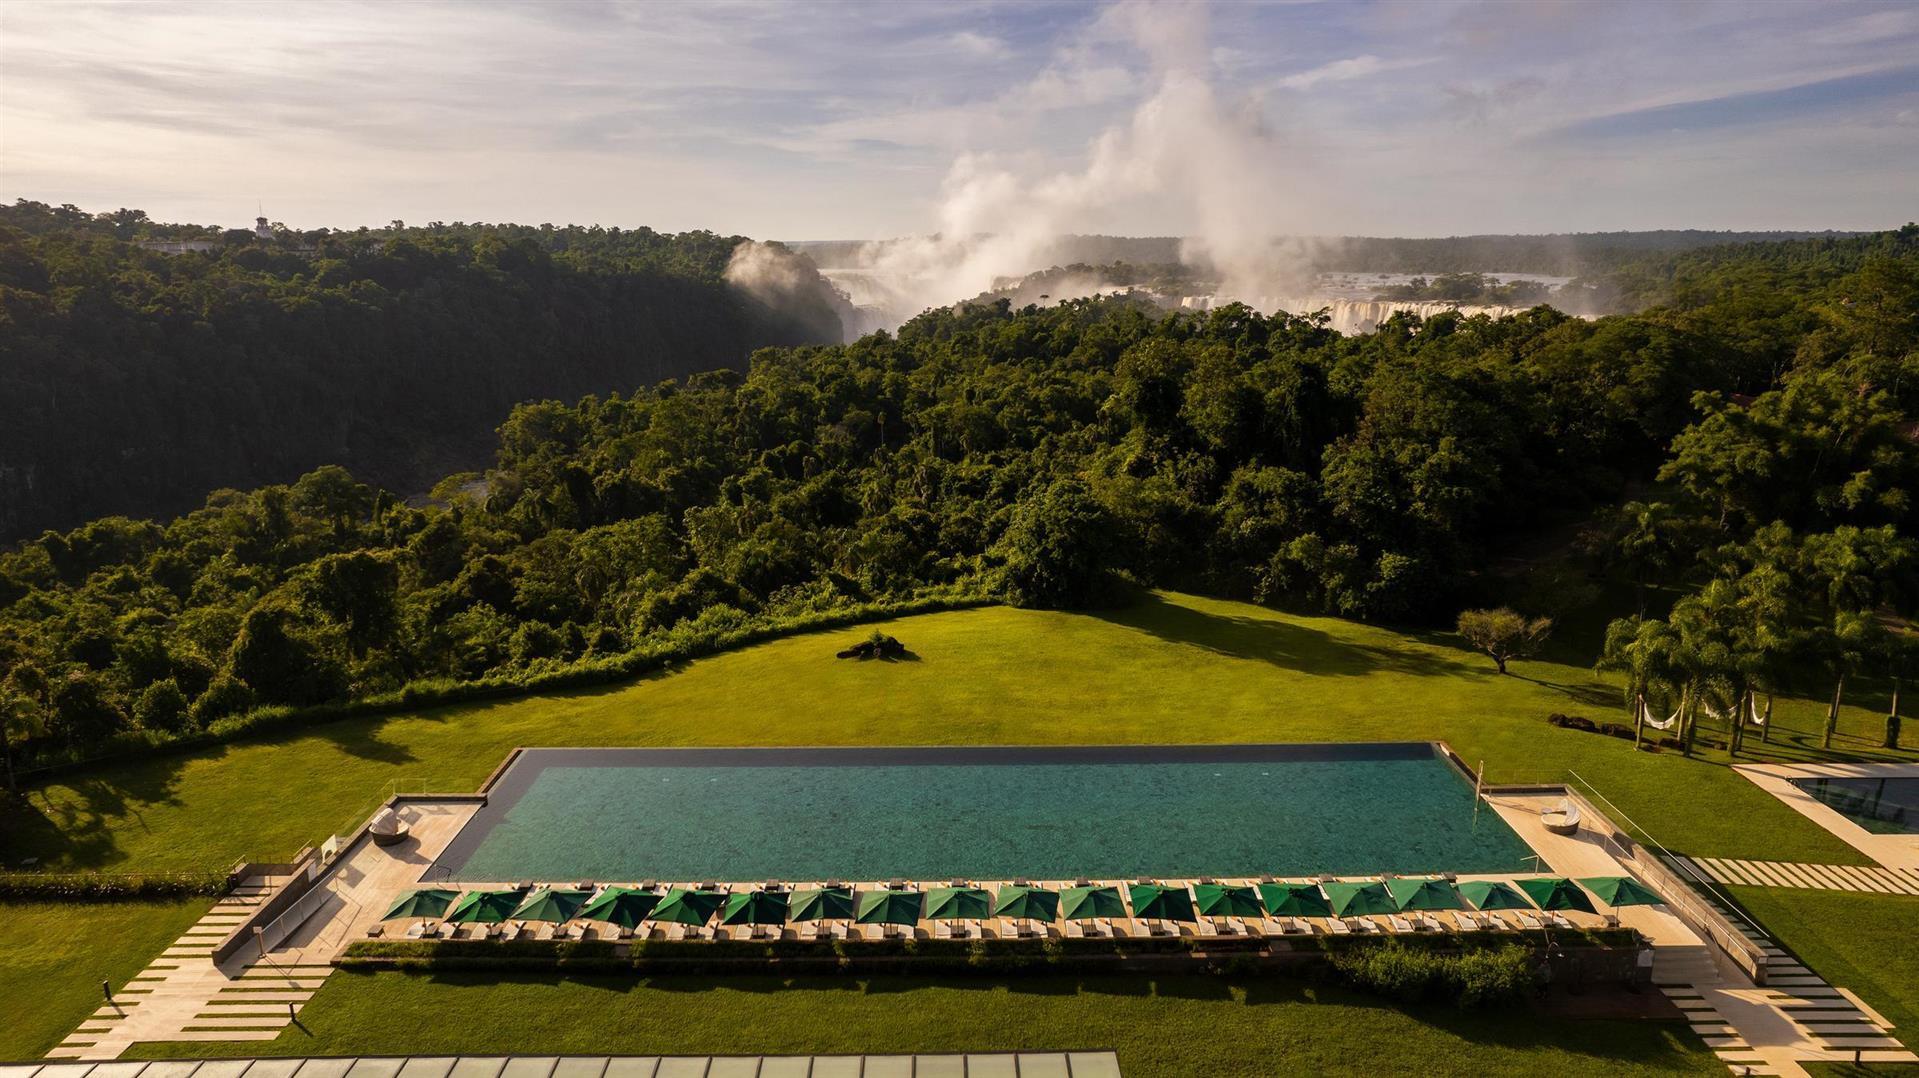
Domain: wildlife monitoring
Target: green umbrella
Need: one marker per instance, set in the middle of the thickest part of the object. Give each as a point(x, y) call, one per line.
point(1424, 894)
point(821, 904)
point(551, 904)
point(484, 907)
point(1622, 891)
point(755, 908)
point(623, 906)
point(887, 907)
point(1087, 903)
point(1157, 902)
point(1220, 900)
point(681, 906)
point(428, 902)
point(1028, 903)
point(1493, 895)
point(1556, 893)
point(1356, 899)
point(1295, 900)
point(958, 904)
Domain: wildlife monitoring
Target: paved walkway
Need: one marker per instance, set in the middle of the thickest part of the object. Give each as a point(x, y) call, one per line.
point(995, 1065)
point(1796, 1018)
point(184, 996)
point(1875, 878)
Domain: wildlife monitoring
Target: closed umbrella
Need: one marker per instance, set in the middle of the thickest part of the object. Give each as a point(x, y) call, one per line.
point(428, 902)
point(484, 907)
point(1622, 891)
point(756, 908)
point(1491, 895)
point(1295, 900)
point(1086, 903)
point(958, 904)
point(821, 904)
point(1027, 903)
point(1223, 900)
point(1556, 893)
point(623, 906)
point(681, 906)
point(551, 904)
point(887, 907)
point(1158, 902)
point(1424, 894)
point(1358, 899)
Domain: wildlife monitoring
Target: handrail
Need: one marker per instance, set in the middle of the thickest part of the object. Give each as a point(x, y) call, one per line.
point(1684, 864)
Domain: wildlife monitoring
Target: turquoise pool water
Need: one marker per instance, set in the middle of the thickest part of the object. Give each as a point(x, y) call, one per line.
point(1047, 813)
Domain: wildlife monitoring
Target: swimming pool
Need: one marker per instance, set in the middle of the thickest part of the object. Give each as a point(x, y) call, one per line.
point(1886, 806)
point(979, 813)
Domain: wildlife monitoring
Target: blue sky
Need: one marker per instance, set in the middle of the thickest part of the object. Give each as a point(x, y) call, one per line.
point(858, 120)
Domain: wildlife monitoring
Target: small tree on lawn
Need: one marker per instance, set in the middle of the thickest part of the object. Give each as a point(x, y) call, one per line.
point(1504, 633)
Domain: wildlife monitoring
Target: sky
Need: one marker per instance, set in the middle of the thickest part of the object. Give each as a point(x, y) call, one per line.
point(849, 120)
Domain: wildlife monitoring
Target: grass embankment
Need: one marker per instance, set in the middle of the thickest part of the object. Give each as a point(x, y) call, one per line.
point(53, 956)
point(1175, 1025)
point(1868, 943)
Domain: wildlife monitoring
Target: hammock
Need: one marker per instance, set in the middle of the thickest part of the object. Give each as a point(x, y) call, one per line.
point(1753, 714)
point(1645, 716)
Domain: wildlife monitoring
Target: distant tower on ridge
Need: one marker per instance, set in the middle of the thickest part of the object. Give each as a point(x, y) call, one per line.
point(260, 228)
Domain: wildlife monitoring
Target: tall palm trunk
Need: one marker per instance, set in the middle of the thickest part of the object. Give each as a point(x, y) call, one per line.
point(1638, 719)
point(1832, 713)
point(1765, 732)
point(1687, 721)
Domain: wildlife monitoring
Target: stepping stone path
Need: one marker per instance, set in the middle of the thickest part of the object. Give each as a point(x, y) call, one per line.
point(1796, 1017)
point(1874, 878)
point(183, 996)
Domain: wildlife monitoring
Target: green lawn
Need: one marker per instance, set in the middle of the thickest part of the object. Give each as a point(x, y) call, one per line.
point(1175, 1025)
point(1173, 668)
point(53, 957)
point(1868, 943)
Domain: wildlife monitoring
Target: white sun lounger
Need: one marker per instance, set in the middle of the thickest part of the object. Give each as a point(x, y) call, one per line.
point(1530, 922)
point(1399, 924)
point(1340, 927)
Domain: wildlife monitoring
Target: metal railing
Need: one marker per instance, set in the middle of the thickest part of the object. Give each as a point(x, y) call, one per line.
point(1713, 921)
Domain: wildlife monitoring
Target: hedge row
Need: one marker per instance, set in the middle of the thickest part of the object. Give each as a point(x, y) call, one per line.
point(1472, 978)
point(675, 646)
point(91, 887)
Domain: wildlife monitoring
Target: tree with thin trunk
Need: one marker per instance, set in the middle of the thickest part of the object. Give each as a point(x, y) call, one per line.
point(1504, 633)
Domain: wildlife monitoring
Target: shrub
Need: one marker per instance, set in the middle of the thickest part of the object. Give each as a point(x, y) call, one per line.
point(1473, 978)
point(162, 707)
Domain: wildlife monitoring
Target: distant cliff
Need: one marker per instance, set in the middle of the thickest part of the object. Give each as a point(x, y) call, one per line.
point(134, 381)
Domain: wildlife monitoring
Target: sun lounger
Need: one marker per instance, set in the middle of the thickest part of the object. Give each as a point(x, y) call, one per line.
point(1530, 923)
point(1225, 926)
point(1558, 919)
point(1428, 923)
point(510, 932)
point(1399, 924)
point(942, 930)
point(1340, 927)
point(416, 930)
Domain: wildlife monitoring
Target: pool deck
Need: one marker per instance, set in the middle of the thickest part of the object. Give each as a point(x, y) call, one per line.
point(1890, 851)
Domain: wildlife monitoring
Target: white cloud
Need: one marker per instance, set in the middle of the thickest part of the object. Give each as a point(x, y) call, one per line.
point(1357, 67)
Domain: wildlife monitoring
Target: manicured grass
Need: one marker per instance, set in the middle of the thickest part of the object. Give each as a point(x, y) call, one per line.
point(1173, 1025)
point(1171, 669)
point(1868, 943)
point(54, 955)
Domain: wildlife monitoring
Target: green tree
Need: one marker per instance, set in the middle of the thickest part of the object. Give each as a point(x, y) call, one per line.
point(1504, 633)
point(1058, 549)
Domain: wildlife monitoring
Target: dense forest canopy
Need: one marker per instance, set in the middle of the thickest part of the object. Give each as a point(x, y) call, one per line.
point(133, 381)
point(1754, 446)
